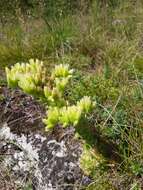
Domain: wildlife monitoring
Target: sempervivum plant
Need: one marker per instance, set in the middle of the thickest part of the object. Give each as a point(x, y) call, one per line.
point(62, 71)
point(32, 79)
point(69, 115)
point(85, 104)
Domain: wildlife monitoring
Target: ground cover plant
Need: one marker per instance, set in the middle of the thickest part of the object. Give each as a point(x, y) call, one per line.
point(32, 79)
point(102, 41)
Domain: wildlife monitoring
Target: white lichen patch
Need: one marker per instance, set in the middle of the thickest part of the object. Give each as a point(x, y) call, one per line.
point(25, 156)
point(49, 163)
point(5, 133)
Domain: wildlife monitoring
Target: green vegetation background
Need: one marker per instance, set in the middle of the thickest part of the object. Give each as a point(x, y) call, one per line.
point(103, 41)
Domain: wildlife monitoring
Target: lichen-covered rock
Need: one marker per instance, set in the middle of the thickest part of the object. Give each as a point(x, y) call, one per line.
point(50, 161)
point(50, 164)
point(59, 162)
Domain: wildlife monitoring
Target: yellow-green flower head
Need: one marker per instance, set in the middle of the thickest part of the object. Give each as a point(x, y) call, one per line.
point(52, 117)
point(62, 70)
point(86, 104)
point(13, 75)
point(28, 76)
point(61, 83)
point(70, 115)
point(47, 92)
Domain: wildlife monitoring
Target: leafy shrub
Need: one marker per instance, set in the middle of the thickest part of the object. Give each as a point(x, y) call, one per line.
point(32, 79)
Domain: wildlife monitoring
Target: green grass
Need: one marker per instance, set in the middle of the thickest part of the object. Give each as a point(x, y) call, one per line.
point(105, 47)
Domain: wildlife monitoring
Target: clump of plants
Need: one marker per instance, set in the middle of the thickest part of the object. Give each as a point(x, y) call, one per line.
point(30, 77)
point(33, 79)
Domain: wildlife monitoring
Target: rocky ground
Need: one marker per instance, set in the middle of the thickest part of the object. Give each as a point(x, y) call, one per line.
point(28, 154)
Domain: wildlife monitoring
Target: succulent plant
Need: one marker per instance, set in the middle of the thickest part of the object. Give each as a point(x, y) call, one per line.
point(70, 115)
point(61, 83)
point(53, 117)
point(62, 70)
point(85, 104)
point(14, 74)
point(31, 78)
